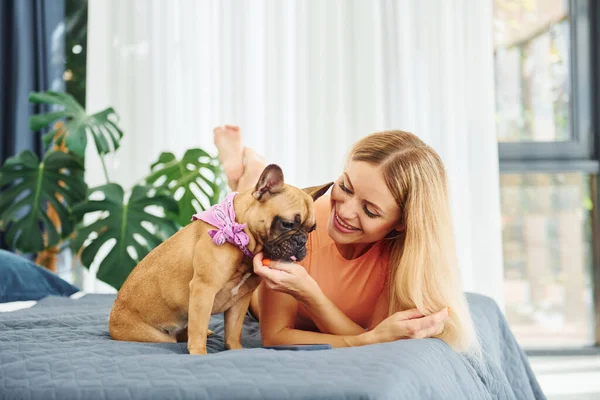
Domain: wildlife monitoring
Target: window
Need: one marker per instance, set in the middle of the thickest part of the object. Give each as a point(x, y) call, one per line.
point(532, 71)
point(544, 98)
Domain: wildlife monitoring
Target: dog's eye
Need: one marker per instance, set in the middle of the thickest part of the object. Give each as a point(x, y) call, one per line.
point(287, 225)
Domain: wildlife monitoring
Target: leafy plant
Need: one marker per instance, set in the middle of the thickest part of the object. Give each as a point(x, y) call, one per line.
point(122, 222)
point(44, 204)
point(101, 126)
point(29, 183)
point(195, 180)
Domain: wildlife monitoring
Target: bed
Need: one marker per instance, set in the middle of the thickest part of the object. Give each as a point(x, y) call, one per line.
point(54, 344)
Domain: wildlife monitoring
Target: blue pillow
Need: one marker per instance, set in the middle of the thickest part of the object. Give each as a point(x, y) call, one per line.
point(21, 280)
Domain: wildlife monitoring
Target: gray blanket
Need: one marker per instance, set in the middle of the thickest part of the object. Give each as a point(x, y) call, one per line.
point(60, 349)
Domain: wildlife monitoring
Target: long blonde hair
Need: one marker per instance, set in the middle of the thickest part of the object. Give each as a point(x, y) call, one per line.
point(423, 264)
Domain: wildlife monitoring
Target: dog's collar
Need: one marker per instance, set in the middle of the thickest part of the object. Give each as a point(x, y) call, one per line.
point(222, 217)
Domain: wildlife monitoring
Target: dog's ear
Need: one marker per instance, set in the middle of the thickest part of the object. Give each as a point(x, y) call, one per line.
point(317, 191)
point(269, 183)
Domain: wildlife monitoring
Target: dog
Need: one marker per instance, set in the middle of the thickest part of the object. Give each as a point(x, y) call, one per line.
point(203, 269)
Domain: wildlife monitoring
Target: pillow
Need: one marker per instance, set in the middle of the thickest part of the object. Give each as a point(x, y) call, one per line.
point(21, 279)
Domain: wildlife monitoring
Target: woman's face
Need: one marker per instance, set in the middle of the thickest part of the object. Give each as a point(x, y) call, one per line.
point(362, 208)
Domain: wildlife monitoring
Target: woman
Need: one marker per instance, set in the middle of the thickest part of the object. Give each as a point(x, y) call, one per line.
point(381, 264)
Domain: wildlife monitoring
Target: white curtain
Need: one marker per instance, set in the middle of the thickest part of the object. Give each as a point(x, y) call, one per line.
point(304, 80)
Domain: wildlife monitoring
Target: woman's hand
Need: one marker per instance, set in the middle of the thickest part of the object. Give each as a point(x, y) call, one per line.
point(409, 324)
point(287, 278)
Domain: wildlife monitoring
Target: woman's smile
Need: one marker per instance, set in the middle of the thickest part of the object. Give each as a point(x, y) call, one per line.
point(341, 225)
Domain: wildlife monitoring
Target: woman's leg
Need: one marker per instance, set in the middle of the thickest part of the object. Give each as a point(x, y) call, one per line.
point(242, 166)
point(229, 144)
point(254, 165)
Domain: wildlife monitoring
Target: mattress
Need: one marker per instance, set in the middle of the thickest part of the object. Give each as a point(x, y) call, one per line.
point(60, 349)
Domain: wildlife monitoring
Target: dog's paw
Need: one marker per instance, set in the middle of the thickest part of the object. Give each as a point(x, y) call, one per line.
point(197, 351)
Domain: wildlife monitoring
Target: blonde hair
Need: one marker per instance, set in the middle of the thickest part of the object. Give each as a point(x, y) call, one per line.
point(423, 265)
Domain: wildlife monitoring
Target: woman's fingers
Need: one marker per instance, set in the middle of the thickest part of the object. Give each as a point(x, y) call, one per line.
point(272, 268)
point(427, 326)
point(257, 260)
point(290, 268)
point(264, 271)
point(409, 314)
point(272, 274)
point(433, 324)
point(440, 316)
point(259, 268)
point(274, 277)
point(432, 331)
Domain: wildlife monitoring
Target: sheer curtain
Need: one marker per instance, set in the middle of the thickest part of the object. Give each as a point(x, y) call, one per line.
point(304, 80)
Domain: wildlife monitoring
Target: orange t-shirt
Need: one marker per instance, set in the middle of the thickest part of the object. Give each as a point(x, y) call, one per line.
point(354, 286)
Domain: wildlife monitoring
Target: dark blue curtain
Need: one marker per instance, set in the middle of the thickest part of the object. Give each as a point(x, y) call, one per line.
point(31, 59)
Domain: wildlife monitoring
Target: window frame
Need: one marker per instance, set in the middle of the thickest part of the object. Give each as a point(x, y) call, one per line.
point(581, 153)
point(581, 145)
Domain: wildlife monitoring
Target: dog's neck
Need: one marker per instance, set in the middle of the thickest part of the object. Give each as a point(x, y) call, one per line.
point(223, 217)
point(241, 205)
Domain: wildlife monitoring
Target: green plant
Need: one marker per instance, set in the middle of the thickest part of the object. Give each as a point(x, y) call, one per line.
point(47, 204)
point(122, 221)
point(29, 184)
point(181, 178)
point(101, 126)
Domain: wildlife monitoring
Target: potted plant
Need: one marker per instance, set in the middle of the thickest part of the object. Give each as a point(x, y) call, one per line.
point(47, 206)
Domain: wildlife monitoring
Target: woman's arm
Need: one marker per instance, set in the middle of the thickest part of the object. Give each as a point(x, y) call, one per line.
point(278, 316)
point(329, 318)
point(382, 308)
point(294, 280)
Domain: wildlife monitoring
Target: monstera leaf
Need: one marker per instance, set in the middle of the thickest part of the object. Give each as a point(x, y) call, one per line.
point(133, 230)
point(196, 181)
point(102, 126)
point(27, 185)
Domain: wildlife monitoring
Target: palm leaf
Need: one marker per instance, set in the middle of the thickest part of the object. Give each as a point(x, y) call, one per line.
point(102, 126)
point(196, 181)
point(125, 224)
point(27, 185)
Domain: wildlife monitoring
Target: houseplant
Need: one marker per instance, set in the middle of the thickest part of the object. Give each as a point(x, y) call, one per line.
point(46, 204)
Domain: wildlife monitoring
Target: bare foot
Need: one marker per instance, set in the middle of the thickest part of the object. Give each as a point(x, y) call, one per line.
point(228, 142)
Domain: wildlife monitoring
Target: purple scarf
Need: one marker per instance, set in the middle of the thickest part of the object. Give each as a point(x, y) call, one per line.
point(222, 217)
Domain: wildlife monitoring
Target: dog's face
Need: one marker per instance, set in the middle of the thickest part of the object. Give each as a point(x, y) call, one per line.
point(282, 216)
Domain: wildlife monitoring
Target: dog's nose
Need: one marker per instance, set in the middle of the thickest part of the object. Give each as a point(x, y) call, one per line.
point(300, 240)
